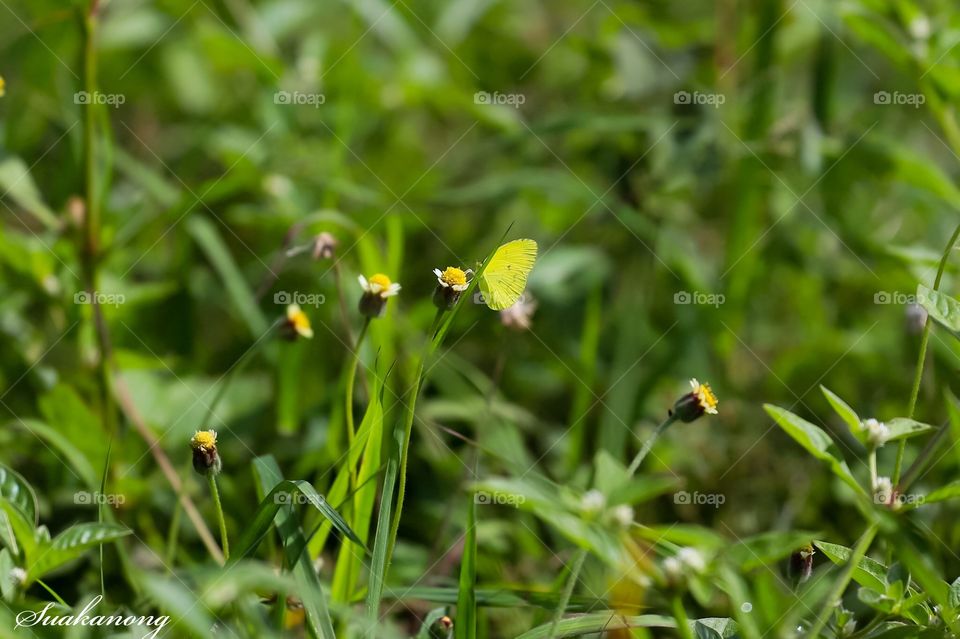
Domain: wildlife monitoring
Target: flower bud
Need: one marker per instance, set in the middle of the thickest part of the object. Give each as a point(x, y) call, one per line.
point(206, 459)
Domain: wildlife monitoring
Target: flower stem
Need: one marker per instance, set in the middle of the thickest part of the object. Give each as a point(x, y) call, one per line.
point(921, 356)
point(648, 445)
point(873, 469)
point(409, 414)
point(683, 622)
point(348, 402)
point(215, 492)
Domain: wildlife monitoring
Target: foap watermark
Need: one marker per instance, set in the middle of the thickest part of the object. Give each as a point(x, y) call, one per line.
point(700, 98)
point(299, 98)
point(480, 299)
point(896, 98)
point(887, 496)
point(897, 298)
point(507, 99)
point(286, 298)
point(109, 99)
point(484, 498)
point(699, 298)
point(295, 499)
point(42, 617)
point(98, 498)
point(99, 297)
point(696, 498)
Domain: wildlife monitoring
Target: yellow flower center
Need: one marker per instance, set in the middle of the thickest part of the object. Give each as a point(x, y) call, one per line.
point(706, 397)
point(380, 280)
point(299, 320)
point(204, 440)
point(454, 276)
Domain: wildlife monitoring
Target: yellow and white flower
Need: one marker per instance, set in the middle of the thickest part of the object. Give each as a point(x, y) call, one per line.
point(298, 322)
point(376, 291)
point(453, 277)
point(206, 458)
point(699, 401)
point(379, 284)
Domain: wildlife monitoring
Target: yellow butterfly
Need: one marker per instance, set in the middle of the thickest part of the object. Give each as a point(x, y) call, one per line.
point(505, 278)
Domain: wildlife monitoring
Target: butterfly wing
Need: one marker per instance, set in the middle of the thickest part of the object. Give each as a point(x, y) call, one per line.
point(505, 277)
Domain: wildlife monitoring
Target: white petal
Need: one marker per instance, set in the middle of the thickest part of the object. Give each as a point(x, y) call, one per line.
point(363, 283)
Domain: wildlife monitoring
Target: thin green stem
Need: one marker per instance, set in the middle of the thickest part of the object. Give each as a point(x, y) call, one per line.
point(922, 355)
point(648, 445)
point(348, 398)
point(830, 604)
point(53, 593)
point(568, 591)
point(409, 414)
point(683, 622)
point(873, 469)
point(215, 493)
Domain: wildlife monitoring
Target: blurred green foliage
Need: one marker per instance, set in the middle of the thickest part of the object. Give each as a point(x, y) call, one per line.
point(743, 191)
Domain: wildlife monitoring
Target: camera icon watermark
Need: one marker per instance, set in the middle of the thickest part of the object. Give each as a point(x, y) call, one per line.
point(99, 499)
point(99, 298)
point(285, 298)
point(299, 98)
point(293, 499)
point(896, 98)
point(696, 498)
point(484, 498)
point(898, 298)
point(699, 98)
point(508, 99)
point(699, 298)
point(109, 99)
point(480, 299)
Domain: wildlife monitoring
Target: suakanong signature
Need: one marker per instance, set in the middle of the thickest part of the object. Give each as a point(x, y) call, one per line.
point(30, 618)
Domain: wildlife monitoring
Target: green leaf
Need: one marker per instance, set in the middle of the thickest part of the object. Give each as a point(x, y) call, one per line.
point(17, 183)
point(269, 480)
point(816, 442)
point(870, 573)
point(287, 492)
point(466, 624)
point(843, 410)
point(598, 622)
point(207, 236)
point(950, 491)
point(69, 545)
point(381, 541)
point(15, 489)
point(903, 428)
point(766, 548)
point(942, 308)
point(18, 533)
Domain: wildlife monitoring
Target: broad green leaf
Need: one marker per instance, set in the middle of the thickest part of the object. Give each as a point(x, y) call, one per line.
point(870, 573)
point(18, 533)
point(69, 545)
point(466, 625)
point(903, 428)
point(17, 184)
point(942, 308)
point(61, 444)
point(208, 237)
point(15, 489)
point(816, 442)
point(766, 548)
point(287, 492)
point(843, 410)
point(7, 587)
point(949, 491)
point(269, 479)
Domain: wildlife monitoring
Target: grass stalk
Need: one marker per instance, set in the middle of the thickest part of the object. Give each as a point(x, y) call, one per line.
point(648, 445)
point(578, 560)
point(215, 493)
